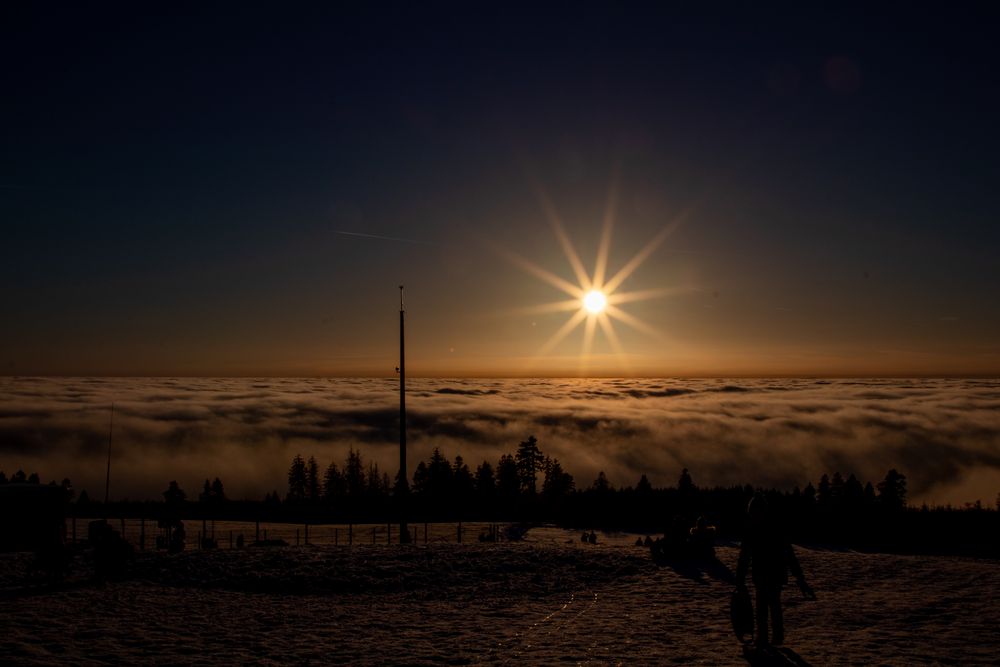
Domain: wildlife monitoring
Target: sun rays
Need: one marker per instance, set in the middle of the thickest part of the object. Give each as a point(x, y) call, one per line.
point(595, 300)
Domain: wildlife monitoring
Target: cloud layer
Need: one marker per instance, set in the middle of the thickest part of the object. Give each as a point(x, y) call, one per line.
point(943, 434)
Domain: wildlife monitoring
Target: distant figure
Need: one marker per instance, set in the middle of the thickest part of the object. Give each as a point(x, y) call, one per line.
point(702, 540)
point(769, 556)
point(177, 538)
point(592, 538)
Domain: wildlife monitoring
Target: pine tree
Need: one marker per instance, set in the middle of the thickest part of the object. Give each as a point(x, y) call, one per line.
point(685, 484)
point(312, 480)
point(462, 482)
point(837, 488)
point(218, 492)
point(823, 492)
point(354, 474)
point(529, 462)
point(601, 484)
point(508, 478)
point(892, 490)
point(296, 480)
point(333, 483)
point(809, 495)
point(174, 495)
point(558, 483)
point(485, 479)
point(206, 493)
point(439, 475)
point(643, 488)
point(420, 478)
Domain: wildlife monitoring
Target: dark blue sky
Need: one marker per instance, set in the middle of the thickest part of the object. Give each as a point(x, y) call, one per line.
point(172, 185)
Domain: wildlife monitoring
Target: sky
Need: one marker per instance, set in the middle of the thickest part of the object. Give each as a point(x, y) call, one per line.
point(943, 434)
point(216, 191)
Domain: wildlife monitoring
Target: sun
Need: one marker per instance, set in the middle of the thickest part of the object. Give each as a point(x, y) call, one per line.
point(595, 297)
point(595, 301)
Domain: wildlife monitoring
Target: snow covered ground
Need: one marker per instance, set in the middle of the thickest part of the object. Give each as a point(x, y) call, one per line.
point(548, 600)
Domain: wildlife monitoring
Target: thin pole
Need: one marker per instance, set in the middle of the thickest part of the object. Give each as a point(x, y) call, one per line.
point(403, 484)
point(107, 476)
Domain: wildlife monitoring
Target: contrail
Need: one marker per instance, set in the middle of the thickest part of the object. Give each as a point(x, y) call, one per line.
point(384, 238)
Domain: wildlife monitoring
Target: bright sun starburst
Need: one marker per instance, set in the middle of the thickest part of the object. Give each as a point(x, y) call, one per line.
point(595, 301)
point(595, 298)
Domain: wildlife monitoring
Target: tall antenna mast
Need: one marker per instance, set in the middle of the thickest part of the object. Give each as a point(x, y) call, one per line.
point(107, 476)
point(402, 485)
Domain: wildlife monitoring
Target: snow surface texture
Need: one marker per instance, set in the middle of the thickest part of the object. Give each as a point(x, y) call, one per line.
point(548, 600)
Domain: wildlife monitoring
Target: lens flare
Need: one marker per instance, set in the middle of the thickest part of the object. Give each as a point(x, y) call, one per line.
point(596, 299)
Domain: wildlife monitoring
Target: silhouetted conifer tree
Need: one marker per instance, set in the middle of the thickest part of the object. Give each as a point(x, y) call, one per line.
point(462, 482)
point(3, 477)
point(837, 488)
point(643, 488)
point(809, 495)
point(218, 492)
point(869, 493)
point(354, 474)
point(558, 483)
point(485, 480)
point(508, 479)
point(377, 486)
point(296, 480)
point(84, 498)
point(34, 479)
point(685, 484)
point(173, 496)
point(892, 490)
point(601, 484)
point(420, 478)
point(333, 484)
point(206, 493)
point(19, 477)
point(823, 492)
point(529, 462)
point(312, 480)
point(854, 493)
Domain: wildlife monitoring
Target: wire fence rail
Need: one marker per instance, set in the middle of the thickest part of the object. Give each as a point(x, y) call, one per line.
point(146, 534)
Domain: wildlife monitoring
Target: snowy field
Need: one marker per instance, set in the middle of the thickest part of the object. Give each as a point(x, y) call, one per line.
point(547, 600)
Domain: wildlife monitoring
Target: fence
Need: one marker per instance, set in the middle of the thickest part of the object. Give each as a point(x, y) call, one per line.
point(143, 533)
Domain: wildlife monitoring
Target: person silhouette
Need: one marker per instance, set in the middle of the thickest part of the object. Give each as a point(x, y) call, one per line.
point(769, 556)
point(701, 540)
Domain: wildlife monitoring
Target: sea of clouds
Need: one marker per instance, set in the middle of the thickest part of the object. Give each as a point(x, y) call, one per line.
point(944, 435)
